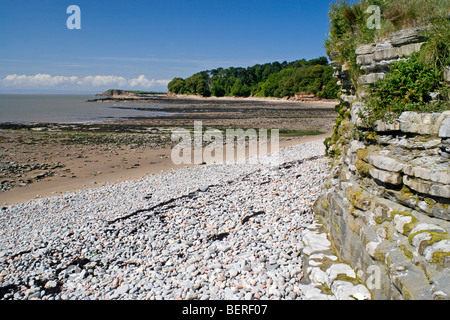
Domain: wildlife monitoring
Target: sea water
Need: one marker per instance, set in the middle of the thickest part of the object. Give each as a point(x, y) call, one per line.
point(65, 108)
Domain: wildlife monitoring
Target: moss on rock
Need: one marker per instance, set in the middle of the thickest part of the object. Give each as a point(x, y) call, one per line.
point(408, 226)
point(362, 154)
point(357, 199)
point(439, 258)
point(363, 168)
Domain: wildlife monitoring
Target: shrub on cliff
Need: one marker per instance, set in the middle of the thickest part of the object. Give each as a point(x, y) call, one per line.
point(348, 27)
point(407, 87)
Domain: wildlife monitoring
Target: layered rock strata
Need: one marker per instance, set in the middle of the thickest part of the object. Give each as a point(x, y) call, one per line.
point(386, 203)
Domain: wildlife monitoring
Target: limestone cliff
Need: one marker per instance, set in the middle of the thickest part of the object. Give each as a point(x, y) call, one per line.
point(386, 202)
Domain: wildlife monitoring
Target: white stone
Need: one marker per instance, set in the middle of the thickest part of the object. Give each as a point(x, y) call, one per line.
point(311, 292)
point(423, 206)
point(400, 221)
point(322, 256)
point(447, 74)
point(427, 187)
point(308, 250)
point(444, 130)
point(429, 168)
point(383, 126)
point(365, 49)
point(361, 293)
point(344, 290)
point(50, 284)
point(381, 233)
point(386, 176)
point(339, 268)
point(314, 263)
point(408, 49)
point(314, 242)
point(371, 78)
point(441, 246)
point(317, 275)
point(421, 123)
point(428, 227)
point(385, 163)
point(355, 111)
point(419, 238)
point(355, 145)
point(372, 246)
point(122, 289)
point(386, 52)
point(365, 59)
point(405, 36)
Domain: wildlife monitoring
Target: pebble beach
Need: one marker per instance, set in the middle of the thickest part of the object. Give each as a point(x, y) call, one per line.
point(221, 231)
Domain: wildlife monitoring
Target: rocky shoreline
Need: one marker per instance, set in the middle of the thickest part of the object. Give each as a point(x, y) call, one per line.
point(186, 107)
point(228, 231)
point(33, 152)
point(66, 154)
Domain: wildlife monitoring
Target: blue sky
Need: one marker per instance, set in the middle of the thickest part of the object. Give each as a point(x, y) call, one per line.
point(143, 44)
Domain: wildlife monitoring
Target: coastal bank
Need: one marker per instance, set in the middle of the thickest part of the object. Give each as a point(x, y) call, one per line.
point(386, 202)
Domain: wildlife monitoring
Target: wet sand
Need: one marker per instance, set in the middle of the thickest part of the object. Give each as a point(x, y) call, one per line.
point(45, 160)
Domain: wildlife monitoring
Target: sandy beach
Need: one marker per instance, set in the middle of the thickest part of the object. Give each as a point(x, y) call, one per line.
point(96, 167)
point(239, 230)
point(44, 160)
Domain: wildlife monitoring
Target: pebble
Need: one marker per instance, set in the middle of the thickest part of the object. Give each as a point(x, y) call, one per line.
point(122, 289)
point(188, 240)
point(50, 284)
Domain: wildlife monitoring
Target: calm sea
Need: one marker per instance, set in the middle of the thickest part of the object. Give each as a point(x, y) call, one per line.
point(30, 108)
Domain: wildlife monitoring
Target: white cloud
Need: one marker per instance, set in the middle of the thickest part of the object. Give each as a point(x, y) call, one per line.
point(38, 80)
point(143, 82)
point(101, 81)
point(48, 82)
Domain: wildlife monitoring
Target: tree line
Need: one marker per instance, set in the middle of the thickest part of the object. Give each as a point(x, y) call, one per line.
point(262, 80)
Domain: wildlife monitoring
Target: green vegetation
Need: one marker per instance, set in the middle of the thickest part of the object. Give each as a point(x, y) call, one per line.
point(343, 113)
point(363, 168)
point(348, 26)
point(415, 84)
point(408, 226)
point(434, 236)
point(406, 87)
point(439, 257)
point(408, 253)
point(268, 80)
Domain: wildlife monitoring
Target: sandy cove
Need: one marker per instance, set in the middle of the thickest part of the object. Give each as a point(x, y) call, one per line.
point(44, 160)
point(96, 168)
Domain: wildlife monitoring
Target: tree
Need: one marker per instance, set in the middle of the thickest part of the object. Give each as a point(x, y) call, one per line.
point(239, 89)
point(267, 80)
point(201, 88)
point(176, 86)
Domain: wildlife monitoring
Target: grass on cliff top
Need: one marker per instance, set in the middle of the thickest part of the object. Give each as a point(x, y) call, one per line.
point(349, 27)
point(407, 87)
point(351, 20)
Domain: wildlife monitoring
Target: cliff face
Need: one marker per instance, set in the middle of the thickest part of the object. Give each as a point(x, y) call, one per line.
point(386, 203)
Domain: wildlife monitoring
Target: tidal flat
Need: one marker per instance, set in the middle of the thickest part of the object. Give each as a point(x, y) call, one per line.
point(46, 159)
